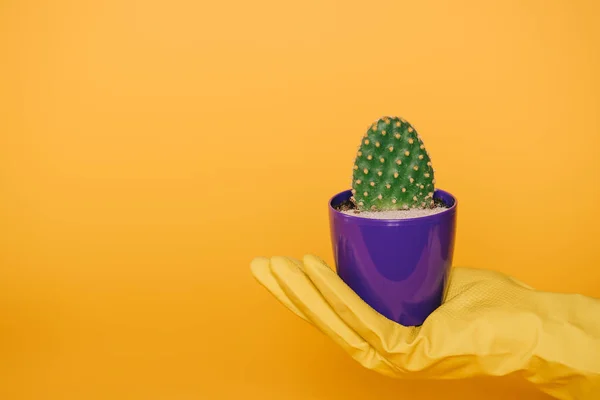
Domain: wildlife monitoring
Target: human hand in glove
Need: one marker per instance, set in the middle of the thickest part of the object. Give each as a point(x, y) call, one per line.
point(489, 324)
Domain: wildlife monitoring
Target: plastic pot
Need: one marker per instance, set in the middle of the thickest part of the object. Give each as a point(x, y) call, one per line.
point(399, 267)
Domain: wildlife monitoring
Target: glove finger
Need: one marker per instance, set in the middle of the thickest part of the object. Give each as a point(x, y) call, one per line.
point(370, 325)
point(261, 270)
point(305, 296)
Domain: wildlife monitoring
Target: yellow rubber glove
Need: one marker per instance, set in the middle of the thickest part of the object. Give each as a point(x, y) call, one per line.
point(488, 324)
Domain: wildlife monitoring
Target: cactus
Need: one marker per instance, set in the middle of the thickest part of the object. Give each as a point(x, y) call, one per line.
point(392, 169)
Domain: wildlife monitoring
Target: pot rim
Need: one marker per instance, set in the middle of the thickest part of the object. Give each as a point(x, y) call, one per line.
point(392, 221)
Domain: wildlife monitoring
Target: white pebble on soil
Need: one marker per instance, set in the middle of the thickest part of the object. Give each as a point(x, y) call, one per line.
point(396, 214)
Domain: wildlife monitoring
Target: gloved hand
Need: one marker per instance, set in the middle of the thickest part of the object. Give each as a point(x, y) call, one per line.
point(488, 324)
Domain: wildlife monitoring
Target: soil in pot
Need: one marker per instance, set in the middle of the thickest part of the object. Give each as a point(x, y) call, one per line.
point(347, 207)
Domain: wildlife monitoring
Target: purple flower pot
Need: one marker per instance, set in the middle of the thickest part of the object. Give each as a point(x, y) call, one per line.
point(398, 267)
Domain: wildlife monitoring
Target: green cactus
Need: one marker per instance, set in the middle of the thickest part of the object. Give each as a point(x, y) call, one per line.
point(392, 169)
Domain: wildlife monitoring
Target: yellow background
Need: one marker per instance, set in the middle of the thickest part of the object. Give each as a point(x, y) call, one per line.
point(149, 150)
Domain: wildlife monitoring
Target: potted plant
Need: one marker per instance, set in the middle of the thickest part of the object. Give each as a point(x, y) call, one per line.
point(393, 232)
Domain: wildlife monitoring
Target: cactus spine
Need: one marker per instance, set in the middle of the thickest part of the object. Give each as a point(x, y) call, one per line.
point(392, 169)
